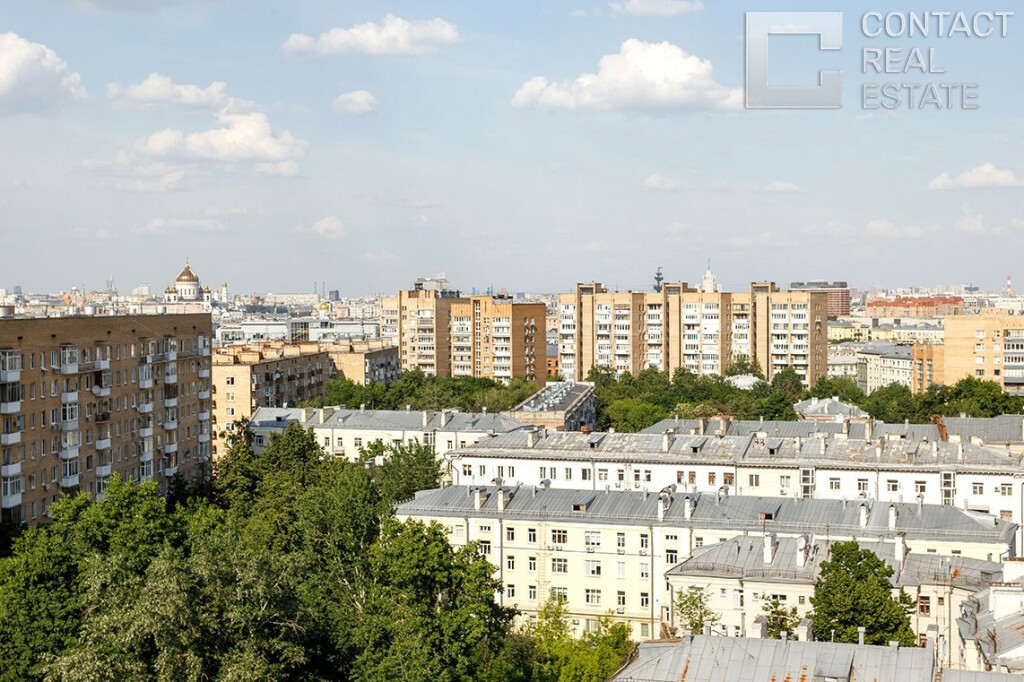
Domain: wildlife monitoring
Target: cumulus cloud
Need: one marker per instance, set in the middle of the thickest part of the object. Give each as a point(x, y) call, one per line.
point(329, 228)
point(175, 225)
point(243, 137)
point(158, 91)
point(661, 183)
point(33, 78)
point(395, 36)
point(656, 8)
point(641, 76)
point(980, 177)
point(782, 187)
point(356, 103)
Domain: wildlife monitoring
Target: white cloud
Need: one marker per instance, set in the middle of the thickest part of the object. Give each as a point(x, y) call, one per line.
point(395, 36)
point(641, 76)
point(159, 91)
point(132, 175)
point(656, 8)
point(661, 183)
point(244, 137)
point(174, 225)
point(971, 222)
point(979, 177)
point(329, 227)
point(33, 78)
point(782, 187)
point(282, 169)
point(356, 103)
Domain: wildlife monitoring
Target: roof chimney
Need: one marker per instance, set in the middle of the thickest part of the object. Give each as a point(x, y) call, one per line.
point(503, 498)
point(805, 630)
point(427, 416)
point(666, 439)
point(325, 414)
point(868, 424)
point(307, 414)
point(892, 517)
point(478, 498)
point(446, 416)
point(863, 515)
point(769, 548)
point(362, 407)
point(797, 443)
point(901, 554)
point(664, 500)
point(860, 634)
point(531, 437)
point(801, 551)
point(687, 507)
point(701, 425)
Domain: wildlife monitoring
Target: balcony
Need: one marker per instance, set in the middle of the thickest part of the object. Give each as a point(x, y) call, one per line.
point(170, 379)
point(171, 402)
point(171, 425)
point(8, 470)
point(171, 355)
point(69, 452)
point(69, 397)
point(69, 481)
point(170, 471)
point(146, 432)
point(104, 471)
point(204, 438)
point(10, 406)
point(68, 368)
point(146, 456)
point(170, 448)
point(101, 365)
point(10, 372)
point(100, 391)
point(203, 394)
point(11, 501)
point(204, 416)
point(68, 425)
point(103, 443)
point(204, 373)
point(10, 438)
point(145, 408)
point(145, 383)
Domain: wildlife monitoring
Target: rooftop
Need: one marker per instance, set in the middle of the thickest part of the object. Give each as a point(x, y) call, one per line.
point(828, 407)
point(556, 396)
point(383, 420)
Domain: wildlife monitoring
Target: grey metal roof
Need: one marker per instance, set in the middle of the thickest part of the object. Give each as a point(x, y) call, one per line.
point(828, 407)
point(726, 512)
point(996, 637)
point(556, 396)
point(952, 675)
point(384, 420)
point(701, 658)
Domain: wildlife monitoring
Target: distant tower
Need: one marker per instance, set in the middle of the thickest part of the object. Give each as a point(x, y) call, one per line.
point(1009, 288)
point(658, 279)
point(224, 293)
point(709, 285)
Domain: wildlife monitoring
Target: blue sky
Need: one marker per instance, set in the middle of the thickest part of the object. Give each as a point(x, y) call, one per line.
point(139, 132)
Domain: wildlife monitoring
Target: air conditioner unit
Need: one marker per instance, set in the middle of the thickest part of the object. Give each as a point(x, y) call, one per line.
point(621, 551)
point(643, 552)
point(590, 548)
point(620, 609)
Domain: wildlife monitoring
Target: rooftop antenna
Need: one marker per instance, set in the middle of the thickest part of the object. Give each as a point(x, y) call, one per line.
point(1009, 288)
point(658, 279)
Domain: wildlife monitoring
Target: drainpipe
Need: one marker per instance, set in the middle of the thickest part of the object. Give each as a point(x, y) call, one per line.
point(650, 529)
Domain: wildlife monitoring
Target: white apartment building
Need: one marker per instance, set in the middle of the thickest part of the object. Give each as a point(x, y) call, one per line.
point(343, 432)
point(740, 575)
point(820, 461)
point(991, 624)
point(608, 552)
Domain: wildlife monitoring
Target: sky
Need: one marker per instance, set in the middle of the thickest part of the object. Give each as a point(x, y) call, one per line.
point(522, 145)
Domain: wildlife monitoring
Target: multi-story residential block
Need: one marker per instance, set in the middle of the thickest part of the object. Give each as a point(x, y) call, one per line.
point(916, 306)
point(498, 338)
point(838, 295)
point(246, 378)
point(363, 361)
point(991, 624)
point(418, 323)
point(842, 360)
point(851, 460)
point(880, 363)
point(608, 552)
point(744, 572)
point(86, 398)
point(560, 406)
point(344, 432)
point(989, 347)
point(702, 331)
point(840, 331)
point(294, 330)
point(929, 366)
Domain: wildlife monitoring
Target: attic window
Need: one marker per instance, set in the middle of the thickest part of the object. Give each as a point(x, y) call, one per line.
point(579, 507)
point(767, 516)
point(593, 445)
point(772, 450)
point(695, 449)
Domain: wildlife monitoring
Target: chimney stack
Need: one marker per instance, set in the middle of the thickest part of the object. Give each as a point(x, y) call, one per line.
point(801, 551)
point(892, 517)
point(503, 498)
point(687, 507)
point(478, 498)
point(666, 439)
point(860, 634)
point(769, 548)
point(427, 416)
point(664, 500)
point(863, 515)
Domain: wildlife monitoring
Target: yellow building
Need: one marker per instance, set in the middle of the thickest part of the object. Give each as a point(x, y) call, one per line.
point(263, 375)
point(929, 366)
point(363, 361)
point(418, 323)
point(703, 331)
point(83, 399)
point(989, 346)
point(498, 338)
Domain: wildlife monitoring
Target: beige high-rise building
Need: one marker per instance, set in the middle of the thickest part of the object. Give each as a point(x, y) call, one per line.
point(989, 346)
point(418, 322)
point(497, 338)
point(702, 330)
point(83, 399)
point(363, 361)
point(263, 375)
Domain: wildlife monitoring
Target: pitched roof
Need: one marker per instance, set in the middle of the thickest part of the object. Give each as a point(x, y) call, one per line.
point(384, 420)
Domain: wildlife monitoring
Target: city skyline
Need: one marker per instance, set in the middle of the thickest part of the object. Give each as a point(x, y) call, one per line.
point(365, 144)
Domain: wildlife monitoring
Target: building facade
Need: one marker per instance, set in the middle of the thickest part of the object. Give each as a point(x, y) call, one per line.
point(83, 399)
point(560, 406)
point(246, 378)
point(838, 295)
point(417, 322)
point(701, 331)
point(498, 338)
point(916, 306)
point(989, 347)
point(364, 361)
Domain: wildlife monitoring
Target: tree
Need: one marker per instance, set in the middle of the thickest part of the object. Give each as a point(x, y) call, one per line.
point(852, 590)
point(844, 388)
point(743, 366)
point(789, 382)
point(693, 610)
point(633, 414)
point(407, 468)
point(779, 618)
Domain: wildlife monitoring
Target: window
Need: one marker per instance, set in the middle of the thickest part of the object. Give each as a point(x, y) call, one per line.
point(977, 488)
point(784, 481)
point(593, 538)
point(485, 547)
point(620, 599)
point(568, 474)
point(833, 484)
point(602, 474)
point(621, 569)
point(592, 597)
point(671, 557)
point(645, 541)
point(510, 591)
point(892, 486)
point(711, 478)
point(645, 600)
point(482, 469)
point(862, 485)
point(1005, 489)
point(531, 593)
point(559, 537)
point(532, 563)
point(561, 593)
point(510, 563)
point(467, 469)
point(510, 534)
point(559, 565)
point(728, 478)
point(698, 541)
point(645, 570)
point(531, 535)
point(485, 529)
point(755, 480)
point(620, 542)
point(924, 606)
point(584, 474)
point(802, 599)
point(942, 601)
point(919, 486)
point(229, 381)
point(594, 568)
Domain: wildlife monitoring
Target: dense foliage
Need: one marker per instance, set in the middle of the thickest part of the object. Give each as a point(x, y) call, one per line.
point(294, 567)
point(423, 392)
point(853, 590)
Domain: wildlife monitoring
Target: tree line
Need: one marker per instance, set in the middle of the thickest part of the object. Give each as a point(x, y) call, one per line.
point(290, 565)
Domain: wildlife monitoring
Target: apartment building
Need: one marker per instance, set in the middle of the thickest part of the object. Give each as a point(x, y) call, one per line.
point(991, 625)
point(560, 406)
point(702, 331)
point(838, 295)
point(805, 460)
point(86, 398)
point(418, 322)
point(989, 346)
point(916, 306)
point(497, 338)
point(744, 572)
point(606, 553)
point(246, 378)
point(364, 361)
point(928, 366)
point(344, 432)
